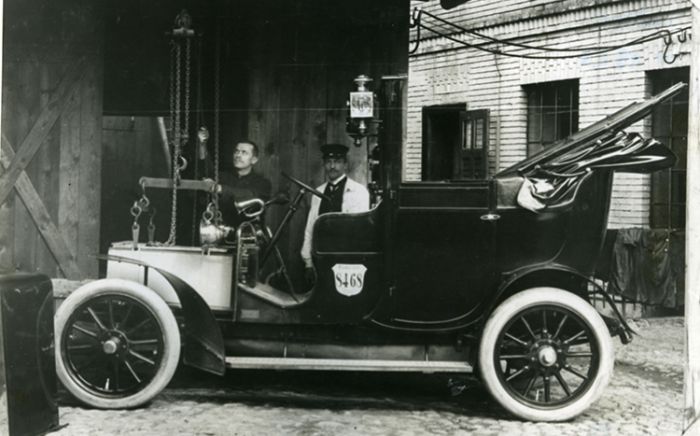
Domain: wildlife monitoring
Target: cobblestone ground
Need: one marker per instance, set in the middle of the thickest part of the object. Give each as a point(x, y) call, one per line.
point(645, 396)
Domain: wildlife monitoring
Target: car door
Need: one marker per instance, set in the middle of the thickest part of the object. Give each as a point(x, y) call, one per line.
point(443, 252)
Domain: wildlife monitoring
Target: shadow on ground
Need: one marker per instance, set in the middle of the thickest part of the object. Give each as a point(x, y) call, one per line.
point(336, 390)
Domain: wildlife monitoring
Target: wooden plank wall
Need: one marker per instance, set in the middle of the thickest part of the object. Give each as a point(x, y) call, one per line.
point(131, 149)
point(44, 42)
point(286, 70)
point(302, 72)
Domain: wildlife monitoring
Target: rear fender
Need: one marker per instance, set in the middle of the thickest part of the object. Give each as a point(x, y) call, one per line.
point(565, 278)
point(203, 343)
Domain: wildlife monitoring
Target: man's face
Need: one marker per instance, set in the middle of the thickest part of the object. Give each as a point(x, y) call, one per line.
point(335, 167)
point(243, 156)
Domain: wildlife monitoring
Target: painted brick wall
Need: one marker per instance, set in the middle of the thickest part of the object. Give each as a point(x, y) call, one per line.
point(441, 74)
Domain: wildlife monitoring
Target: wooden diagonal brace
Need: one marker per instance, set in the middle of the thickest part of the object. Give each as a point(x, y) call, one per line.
point(48, 230)
point(37, 135)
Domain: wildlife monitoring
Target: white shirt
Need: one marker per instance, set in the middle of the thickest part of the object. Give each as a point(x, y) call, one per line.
point(355, 199)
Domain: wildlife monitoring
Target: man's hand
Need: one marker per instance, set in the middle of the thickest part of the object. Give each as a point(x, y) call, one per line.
point(310, 276)
point(215, 186)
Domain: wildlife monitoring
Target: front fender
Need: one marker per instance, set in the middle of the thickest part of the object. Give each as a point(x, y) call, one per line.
point(203, 343)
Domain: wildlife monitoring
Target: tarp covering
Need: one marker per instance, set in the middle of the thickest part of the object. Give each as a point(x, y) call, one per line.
point(554, 182)
point(552, 177)
point(647, 265)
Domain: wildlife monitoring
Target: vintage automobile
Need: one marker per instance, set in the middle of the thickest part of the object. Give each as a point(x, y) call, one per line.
point(492, 277)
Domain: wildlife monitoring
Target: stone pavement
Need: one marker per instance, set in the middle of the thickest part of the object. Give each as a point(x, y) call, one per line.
point(645, 396)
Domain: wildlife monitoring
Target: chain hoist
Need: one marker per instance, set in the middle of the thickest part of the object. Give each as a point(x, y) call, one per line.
point(152, 227)
point(179, 130)
point(176, 134)
point(179, 111)
point(213, 213)
point(188, 75)
point(202, 134)
point(217, 130)
point(139, 206)
point(135, 228)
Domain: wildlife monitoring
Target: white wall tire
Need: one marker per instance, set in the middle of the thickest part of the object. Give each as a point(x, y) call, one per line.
point(532, 362)
point(117, 344)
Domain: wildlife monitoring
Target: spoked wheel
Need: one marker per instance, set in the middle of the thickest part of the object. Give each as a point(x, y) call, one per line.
point(546, 355)
point(118, 344)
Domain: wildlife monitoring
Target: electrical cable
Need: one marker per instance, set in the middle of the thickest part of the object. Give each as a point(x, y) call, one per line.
point(656, 35)
point(514, 44)
point(416, 21)
point(441, 21)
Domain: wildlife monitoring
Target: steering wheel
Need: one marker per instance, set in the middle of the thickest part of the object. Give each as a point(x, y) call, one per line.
point(306, 187)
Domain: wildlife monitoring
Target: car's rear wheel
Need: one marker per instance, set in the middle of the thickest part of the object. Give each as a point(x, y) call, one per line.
point(545, 355)
point(118, 344)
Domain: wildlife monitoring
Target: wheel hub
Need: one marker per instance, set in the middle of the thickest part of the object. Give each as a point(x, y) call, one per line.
point(110, 346)
point(114, 343)
point(547, 356)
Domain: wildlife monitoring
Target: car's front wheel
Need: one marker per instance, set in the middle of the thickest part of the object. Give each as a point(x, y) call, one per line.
point(545, 355)
point(117, 342)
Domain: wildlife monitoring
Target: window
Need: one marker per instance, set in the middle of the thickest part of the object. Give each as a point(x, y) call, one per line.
point(474, 143)
point(670, 126)
point(455, 143)
point(552, 113)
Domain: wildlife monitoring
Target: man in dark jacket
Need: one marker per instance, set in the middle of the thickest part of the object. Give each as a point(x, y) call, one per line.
point(243, 183)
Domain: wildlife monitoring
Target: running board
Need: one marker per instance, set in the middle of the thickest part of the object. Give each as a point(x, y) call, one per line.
point(347, 364)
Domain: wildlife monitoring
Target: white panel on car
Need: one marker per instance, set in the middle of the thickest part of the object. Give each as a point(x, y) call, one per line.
point(210, 274)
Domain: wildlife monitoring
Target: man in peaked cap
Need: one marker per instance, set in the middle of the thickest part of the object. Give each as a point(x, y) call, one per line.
point(345, 194)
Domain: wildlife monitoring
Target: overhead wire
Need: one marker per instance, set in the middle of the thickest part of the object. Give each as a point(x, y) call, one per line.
point(587, 51)
point(462, 29)
point(656, 35)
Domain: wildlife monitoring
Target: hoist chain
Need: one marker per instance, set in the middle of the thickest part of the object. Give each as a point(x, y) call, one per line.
point(212, 213)
point(209, 213)
point(177, 141)
point(188, 71)
point(198, 123)
point(179, 134)
point(217, 86)
point(135, 228)
point(139, 206)
point(152, 227)
point(173, 48)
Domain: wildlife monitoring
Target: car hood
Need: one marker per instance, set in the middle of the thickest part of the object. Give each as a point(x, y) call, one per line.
point(649, 157)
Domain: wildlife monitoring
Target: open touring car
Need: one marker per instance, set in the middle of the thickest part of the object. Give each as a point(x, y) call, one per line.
point(489, 276)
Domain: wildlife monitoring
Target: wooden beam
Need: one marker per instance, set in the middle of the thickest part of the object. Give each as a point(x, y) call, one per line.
point(691, 415)
point(90, 169)
point(37, 135)
point(7, 237)
point(48, 230)
point(186, 184)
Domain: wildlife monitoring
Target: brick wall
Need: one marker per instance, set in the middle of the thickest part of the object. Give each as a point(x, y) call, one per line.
point(442, 73)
